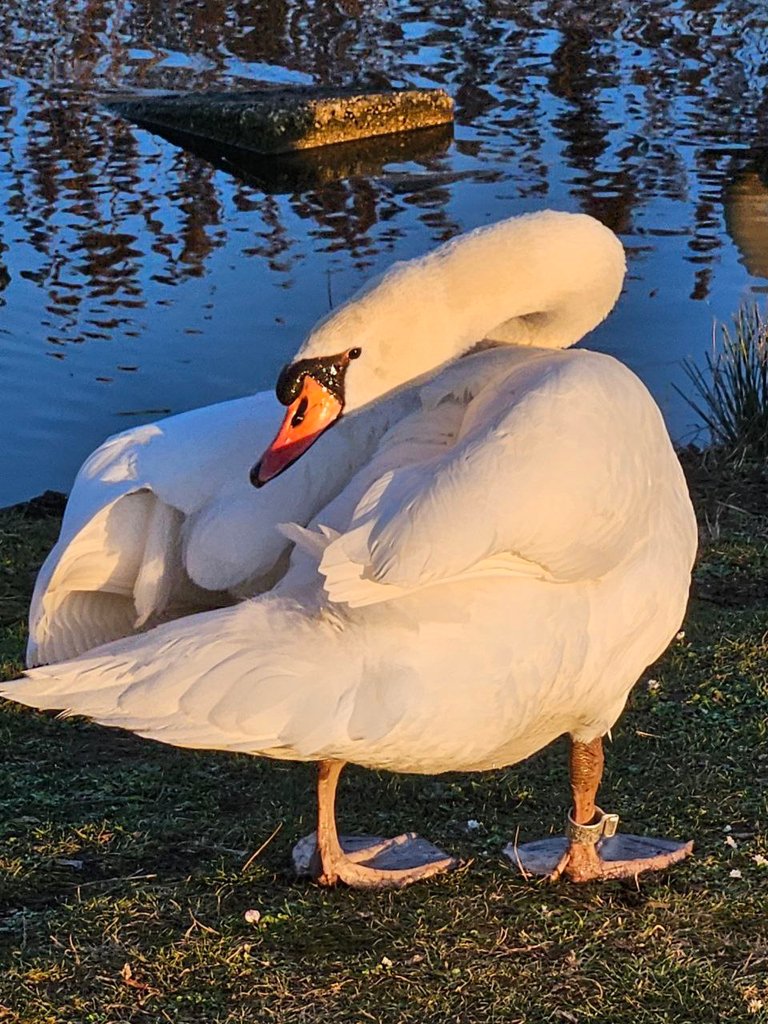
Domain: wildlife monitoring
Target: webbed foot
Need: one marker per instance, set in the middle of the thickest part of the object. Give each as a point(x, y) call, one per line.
point(368, 862)
point(596, 851)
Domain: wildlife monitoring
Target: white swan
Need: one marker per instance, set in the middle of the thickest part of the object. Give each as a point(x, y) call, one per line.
point(162, 520)
point(514, 551)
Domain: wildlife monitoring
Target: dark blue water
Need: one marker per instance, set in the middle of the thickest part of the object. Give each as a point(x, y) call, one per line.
point(137, 279)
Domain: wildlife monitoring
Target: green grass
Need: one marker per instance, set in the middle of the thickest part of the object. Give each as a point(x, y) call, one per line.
point(123, 889)
point(730, 395)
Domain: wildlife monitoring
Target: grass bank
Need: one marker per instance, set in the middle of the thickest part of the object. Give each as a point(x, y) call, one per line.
point(125, 869)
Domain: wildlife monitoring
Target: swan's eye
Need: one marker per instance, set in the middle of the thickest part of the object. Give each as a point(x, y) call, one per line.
point(354, 353)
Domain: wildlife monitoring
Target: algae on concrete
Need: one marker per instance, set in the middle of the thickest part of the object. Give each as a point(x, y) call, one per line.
point(272, 121)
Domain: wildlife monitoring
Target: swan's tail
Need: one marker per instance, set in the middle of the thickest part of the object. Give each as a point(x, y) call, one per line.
point(261, 677)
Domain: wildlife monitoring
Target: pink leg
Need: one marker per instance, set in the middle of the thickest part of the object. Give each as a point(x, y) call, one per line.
point(581, 861)
point(334, 865)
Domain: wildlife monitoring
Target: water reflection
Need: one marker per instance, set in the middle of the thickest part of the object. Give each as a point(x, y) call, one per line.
point(746, 217)
point(311, 169)
point(137, 276)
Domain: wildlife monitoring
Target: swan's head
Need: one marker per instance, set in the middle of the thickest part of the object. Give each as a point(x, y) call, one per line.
point(376, 341)
point(314, 393)
point(541, 279)
point(399, 326)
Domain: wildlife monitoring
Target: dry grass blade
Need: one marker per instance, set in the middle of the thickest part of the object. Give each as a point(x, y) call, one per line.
point(261, 848)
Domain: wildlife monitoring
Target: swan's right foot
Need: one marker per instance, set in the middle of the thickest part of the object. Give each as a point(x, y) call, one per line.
point(362, 862)
point(366, 862)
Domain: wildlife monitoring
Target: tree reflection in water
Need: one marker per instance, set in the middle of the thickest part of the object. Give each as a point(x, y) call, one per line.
point(638, 113)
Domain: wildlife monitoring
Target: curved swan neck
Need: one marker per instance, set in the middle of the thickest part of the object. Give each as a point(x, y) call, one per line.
point(542, 279)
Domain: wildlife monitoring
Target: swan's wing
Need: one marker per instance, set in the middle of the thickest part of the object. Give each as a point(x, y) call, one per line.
point(552, 476)
point(86, 592)
point(163, 520)
point(160, 520)
point(249, 677)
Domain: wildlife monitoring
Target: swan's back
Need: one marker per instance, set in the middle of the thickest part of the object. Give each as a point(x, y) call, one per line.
point(163, 521)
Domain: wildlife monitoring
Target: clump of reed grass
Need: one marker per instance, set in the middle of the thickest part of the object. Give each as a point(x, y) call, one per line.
point(731, 393)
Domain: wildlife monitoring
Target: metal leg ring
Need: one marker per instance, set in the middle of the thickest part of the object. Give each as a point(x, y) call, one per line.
point(603, 826)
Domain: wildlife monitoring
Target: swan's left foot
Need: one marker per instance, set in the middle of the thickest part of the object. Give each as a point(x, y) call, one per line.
point(622, 856)
point(595, 852)
point(591, 848)
point(367, 862)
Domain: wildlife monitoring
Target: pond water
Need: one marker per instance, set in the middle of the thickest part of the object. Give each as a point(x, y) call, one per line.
point(137, 279)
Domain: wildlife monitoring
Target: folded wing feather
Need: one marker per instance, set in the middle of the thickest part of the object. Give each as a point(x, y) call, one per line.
point(538, 482)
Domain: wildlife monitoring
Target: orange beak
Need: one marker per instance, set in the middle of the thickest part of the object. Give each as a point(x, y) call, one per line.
point(307, 418)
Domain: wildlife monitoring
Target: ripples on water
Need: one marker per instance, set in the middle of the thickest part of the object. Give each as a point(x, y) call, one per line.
point(137, 279)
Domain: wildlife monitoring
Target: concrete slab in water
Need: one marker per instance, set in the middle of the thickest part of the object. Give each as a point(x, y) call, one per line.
point(271, 121)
